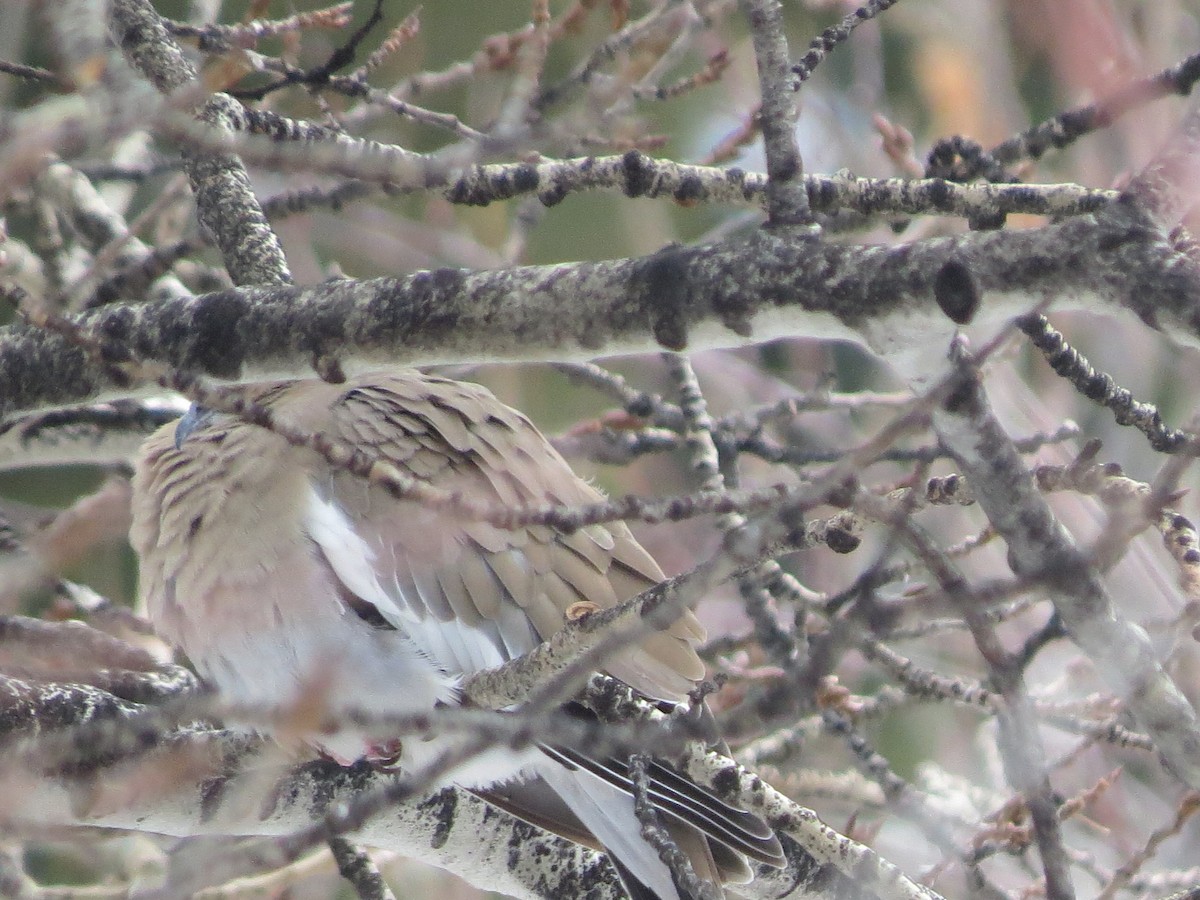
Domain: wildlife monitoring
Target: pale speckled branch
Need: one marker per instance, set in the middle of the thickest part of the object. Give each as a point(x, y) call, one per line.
point(76, 653)
point(787, 201)
point(660, 18)
point(554, 670)
point(360, 870)
point(767, 580)
point(97, 434)
point(225, 201)
point(822, 863)
point(228, 788)
point(277, 142)
point(280, 143)
point(451, 829)
point(1040, 549)
point(903, 300)
point(1018, 737)
point(97, 224)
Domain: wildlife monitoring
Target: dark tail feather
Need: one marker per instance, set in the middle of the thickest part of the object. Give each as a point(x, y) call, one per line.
point(683, 800)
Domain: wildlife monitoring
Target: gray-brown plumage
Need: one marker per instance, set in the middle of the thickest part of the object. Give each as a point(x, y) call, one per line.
point(285, 580)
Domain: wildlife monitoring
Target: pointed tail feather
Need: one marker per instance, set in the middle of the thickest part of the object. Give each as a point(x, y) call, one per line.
point(608, 813)
point(683, 800)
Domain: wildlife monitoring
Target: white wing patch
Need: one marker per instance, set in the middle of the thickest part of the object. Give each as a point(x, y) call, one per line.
point(350, 557)
point(457, 648)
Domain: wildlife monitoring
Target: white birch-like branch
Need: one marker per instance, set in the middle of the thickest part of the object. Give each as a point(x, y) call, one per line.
point(212, 782)
point(905, 301)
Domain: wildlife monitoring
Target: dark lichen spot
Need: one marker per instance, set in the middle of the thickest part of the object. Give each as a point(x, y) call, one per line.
point(690, 189)
point(989, 221)
point(842, 540)
point(324, 778)
point(822, 194)
point(525, 178)
point(1026, 198)
point(786, 169)
point(324, 333)
point(553, 196)
point(114, 331)
point(639, 173)
point(474, 189)
point(443, 806)
point(956, 292)
point(961, 401)
point(217, 346)
point(726, 781)
point(1098, 386)
point(462, 193)
point(662, 288)
point(433, 298)
point(212, 792)
point(938, 193)
point(521, 837)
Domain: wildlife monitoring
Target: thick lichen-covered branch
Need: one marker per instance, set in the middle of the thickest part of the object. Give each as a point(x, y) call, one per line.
point(225, 201)
point(901, 300)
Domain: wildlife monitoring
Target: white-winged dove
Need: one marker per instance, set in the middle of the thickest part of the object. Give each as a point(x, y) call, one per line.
point(280, 576)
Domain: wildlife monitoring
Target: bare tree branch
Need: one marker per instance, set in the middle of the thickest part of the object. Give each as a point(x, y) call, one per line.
point(680, 296)
point(227, 205)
